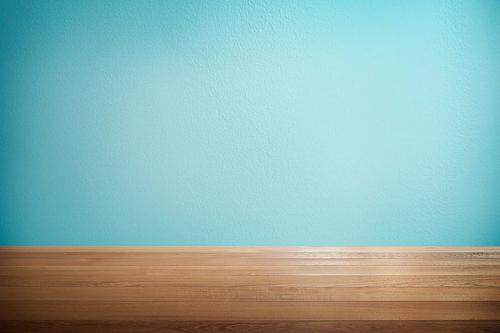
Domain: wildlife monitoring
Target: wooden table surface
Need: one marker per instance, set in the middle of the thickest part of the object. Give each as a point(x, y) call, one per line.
point(250, 289)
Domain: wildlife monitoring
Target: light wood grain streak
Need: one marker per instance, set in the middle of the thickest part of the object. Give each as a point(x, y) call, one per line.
point(246, 270)
point(166, 281)
point(246, 262)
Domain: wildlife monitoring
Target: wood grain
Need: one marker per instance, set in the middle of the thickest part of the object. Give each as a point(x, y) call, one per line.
point(166, 326)
point(249, 294)
point(105, 310)
point(233, 261)
point(339, 281)
point(250, 289)
point(248, 270)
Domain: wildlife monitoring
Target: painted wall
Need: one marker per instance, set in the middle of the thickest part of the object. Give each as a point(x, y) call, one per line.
point(250, 122)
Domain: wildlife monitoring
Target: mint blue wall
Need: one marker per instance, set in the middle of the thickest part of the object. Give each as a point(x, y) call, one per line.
point(250, 122)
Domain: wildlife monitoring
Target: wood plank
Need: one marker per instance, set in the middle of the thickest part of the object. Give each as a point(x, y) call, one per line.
point(247, 252)
point(144, 326)
point(246, 262)
point(249, 294)
point(79, 310)
point(104, 271)
point(268, 288)
point(166, 281)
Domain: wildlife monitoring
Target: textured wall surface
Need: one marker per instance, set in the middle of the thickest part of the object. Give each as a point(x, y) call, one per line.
point(249, 122)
